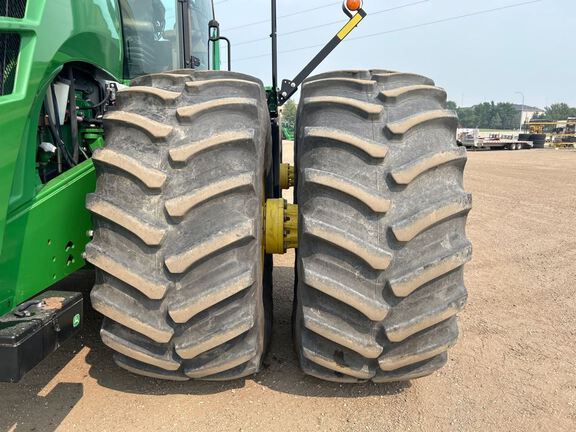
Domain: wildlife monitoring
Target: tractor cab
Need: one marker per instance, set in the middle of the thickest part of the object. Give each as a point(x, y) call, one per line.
point(161, 35)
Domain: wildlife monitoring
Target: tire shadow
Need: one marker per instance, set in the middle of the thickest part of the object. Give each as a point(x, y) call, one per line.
point(25, 410)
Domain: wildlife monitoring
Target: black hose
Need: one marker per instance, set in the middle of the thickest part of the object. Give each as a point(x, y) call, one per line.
point(73, 117)
point(101, 103)
point(59, 143)
point(55, 131)
point(94, 121)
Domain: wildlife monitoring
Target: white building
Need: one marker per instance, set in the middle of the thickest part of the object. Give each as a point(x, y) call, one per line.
point(528, 112)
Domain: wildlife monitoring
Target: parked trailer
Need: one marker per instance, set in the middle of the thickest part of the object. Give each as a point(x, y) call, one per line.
point(473, 141)
point(503, 144)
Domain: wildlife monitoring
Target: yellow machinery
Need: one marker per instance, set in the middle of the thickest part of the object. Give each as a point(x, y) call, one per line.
point(561, 134)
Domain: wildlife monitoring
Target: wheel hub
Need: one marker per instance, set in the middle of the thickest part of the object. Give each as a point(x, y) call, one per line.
point(281, 226)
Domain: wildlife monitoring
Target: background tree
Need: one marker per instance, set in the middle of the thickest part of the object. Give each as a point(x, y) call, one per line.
point(558, 111)
point(289, 111)
point(468, 117)
point(496, 121)
point(509, 114)
point(451, 105)
point(490, 115)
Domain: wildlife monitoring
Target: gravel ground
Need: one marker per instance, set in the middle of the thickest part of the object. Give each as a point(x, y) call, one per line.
point(513, 370)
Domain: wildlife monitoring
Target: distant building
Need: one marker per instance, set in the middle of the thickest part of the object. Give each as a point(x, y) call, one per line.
point(528, 112)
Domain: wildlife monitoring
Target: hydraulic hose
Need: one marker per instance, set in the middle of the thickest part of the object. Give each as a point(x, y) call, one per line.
point(55, 132)
point(73, 118)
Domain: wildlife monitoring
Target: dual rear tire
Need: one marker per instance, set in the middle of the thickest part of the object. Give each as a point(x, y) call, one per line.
point(382, 216)
point(178, 226)
point(182, 279)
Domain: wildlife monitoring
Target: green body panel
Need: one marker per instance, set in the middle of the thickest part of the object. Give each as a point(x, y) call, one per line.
point(53, 33)
point(288, 133)
point(44, 240)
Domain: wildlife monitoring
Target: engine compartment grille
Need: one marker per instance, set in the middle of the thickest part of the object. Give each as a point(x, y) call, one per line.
point(13, 8)
point(9, 49)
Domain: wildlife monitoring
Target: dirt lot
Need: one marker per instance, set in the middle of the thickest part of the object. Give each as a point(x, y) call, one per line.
point(514, 369)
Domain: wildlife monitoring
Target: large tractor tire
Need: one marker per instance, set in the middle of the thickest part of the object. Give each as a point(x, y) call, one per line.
point(382, 242)
point(538, 140)
point(178, 226)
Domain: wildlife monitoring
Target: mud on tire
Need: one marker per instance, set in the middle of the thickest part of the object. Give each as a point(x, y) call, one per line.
point(178, 226)
point(382, 214)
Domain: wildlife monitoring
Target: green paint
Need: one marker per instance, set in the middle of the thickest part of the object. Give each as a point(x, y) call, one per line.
point(94, 137)
point(44, 240)
point(51, 36)
point(76, 320)
point(287, 133)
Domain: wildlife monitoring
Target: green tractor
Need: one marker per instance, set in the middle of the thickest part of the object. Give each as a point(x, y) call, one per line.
point(126, 148)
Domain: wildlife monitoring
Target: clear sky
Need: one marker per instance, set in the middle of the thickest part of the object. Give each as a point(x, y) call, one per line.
point(491, 56)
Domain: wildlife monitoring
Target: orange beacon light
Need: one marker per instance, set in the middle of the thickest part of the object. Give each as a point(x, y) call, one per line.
point(353, 5)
